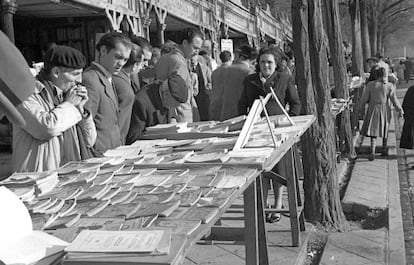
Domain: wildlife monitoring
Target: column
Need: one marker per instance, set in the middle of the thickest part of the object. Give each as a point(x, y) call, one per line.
point(146, 22)
point(161, 26)
point(9, 8)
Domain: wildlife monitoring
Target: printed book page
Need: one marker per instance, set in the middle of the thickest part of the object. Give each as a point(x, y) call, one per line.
point(17, 236)
point(143, 241)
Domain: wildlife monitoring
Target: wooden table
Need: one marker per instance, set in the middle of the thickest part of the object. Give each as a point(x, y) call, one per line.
point(254, 231)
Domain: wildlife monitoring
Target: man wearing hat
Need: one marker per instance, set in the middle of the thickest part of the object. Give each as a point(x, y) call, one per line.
point(227, 94)
point(50, 137)
point(113, 52)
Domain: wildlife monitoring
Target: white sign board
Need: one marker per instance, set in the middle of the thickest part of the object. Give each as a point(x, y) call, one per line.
point(227, 45)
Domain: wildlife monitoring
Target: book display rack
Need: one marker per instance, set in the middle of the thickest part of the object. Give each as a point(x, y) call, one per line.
point(167, 191)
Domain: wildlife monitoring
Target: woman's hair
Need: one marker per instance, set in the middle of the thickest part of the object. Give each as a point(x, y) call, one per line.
point(266, 50)
point(135, 55)
point(376, 73)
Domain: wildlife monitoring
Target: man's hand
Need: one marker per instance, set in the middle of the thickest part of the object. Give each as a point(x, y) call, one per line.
point(83, 94)
point(72, 97)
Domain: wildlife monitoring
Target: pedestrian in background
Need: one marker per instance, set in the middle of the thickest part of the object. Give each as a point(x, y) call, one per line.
point(376, 95)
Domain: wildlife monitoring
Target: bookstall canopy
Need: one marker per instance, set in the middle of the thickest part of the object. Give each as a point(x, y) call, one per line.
point(55, 8)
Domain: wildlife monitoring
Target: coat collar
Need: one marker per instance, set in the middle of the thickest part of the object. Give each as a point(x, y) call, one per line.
point(103, 78)
point(270, 82)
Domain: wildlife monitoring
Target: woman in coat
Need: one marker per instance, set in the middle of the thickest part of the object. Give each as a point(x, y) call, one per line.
point(259, 84)
point(376, 95)
point(407, 135)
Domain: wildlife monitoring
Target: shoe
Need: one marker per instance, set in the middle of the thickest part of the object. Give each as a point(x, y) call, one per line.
point(272, 217)
point(371, 157)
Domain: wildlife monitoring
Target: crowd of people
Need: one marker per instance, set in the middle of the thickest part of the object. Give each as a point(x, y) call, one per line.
point(78, 111)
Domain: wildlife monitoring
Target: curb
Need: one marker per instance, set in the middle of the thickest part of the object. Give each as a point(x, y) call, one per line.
point(396, 245)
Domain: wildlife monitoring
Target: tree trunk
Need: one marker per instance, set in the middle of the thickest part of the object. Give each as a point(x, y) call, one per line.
point(357, 60)
point(373, 27)
point(366, 48)
point(380, 41)
point(322, 203)
point(339, 69)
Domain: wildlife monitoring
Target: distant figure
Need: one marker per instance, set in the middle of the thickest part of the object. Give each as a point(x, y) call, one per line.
point(400, 68)
point(408, 69)
point(218, 78)
point(383, 64)
point(202, 98)
point(407, 134)
point(227, 95)
point(376, 95)
point(348, 55)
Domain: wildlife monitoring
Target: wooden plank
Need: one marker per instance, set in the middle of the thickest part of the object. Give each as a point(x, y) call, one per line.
point(292, 200)
point(250, 224)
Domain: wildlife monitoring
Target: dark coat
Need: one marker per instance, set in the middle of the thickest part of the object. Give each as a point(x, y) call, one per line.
point(407, 134)
point(204, 91)
point(125, 92)
point(282, 84)
point(147, 111)
point(227, 90)
point(103, 105)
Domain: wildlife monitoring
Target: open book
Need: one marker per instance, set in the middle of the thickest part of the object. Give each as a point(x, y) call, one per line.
point(17, 235)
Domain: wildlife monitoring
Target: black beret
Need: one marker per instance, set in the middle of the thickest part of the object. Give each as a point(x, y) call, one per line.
point(64, 56)
point(375, 59)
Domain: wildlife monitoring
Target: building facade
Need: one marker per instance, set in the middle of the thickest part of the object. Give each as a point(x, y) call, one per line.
point(35, 24)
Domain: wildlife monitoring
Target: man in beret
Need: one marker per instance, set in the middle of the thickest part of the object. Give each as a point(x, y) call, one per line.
point(113, 52)
point(50, 137)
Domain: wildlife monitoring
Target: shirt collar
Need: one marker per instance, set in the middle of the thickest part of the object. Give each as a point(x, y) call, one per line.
point(103, 70)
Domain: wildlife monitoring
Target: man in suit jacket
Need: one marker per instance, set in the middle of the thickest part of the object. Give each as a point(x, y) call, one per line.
point(113, 52)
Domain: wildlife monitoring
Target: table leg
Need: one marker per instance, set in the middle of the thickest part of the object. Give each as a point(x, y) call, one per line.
point(293, 200)
point(255, 231)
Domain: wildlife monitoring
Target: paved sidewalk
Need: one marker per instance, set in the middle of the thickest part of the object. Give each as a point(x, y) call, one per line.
point(374, 185)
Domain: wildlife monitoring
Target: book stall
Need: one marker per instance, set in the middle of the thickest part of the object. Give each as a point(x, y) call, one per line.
point(147, 203)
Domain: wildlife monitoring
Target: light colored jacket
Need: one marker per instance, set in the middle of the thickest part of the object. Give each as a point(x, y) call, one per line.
point(175, 63)
point(40, 145)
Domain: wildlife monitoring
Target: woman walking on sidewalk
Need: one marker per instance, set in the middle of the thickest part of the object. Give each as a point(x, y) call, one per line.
point(376, 95)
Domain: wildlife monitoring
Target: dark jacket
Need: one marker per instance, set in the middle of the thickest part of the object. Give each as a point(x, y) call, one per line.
point(103, 105)
point(227, 90)
point(283, 86)
point(125, 92)
point(147, 111)
point(407, 134)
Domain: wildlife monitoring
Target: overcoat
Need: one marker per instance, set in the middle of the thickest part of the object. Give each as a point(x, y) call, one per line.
point(407, 135)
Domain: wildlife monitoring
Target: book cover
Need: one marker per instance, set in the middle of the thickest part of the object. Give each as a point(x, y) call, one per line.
point(110, 169)
point(139, 241)
point(67, 207)
point(205, 214)
point(189, 197)
point(54, 208)
point(177, 188)
point(154, 198)
point(144, 189)
point(93, 223)
point(162, 209)
point(120, 197)
point(78, 166)
point(62, 222)
point(103, 178)
point(93, 192)
point(116, 210)
point(84, 206)
point(125, 178)
point(179, 179)
point(111, 193)
point(125, 170)
point(177, 213)
point(177, 226)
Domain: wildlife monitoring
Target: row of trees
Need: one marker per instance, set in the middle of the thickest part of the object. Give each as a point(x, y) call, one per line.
point(372, 21)
point(317, 30)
